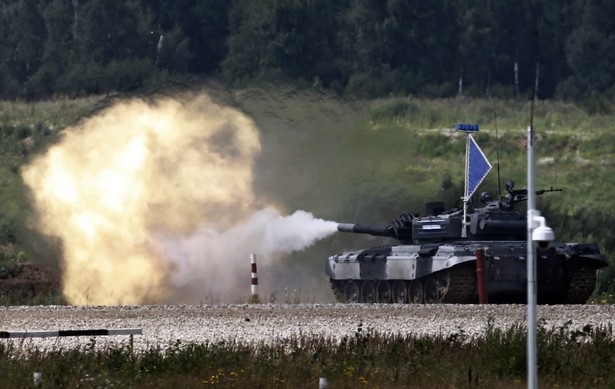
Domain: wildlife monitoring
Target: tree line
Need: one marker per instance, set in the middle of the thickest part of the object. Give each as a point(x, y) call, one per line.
point(360, 47)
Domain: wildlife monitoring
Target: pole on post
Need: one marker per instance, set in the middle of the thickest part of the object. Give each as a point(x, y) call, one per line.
point(482, 279)
point(254, 282)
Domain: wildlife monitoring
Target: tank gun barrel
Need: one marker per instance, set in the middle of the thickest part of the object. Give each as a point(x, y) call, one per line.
point(519, 195)
point(371, 229)
point(552, 189)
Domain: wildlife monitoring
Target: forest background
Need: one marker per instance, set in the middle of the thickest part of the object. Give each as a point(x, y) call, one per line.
point(365, 47)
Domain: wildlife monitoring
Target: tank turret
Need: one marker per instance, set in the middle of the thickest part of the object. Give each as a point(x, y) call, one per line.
point(495, 219)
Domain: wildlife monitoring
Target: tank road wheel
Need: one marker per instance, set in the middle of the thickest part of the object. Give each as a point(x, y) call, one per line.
point(431, 291)
point(458, 284)
point(400, 292)
point(416, 295)
point(351, 292)
point(383, 292)
point(443, 280)
point(368, 292)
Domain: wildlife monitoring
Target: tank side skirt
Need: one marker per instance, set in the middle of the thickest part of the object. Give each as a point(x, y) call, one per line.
point(567, 272)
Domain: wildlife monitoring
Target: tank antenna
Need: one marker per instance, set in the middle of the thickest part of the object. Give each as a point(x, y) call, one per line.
point(497, 147)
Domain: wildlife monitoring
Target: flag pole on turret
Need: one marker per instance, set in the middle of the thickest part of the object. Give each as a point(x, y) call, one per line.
point(476, 169)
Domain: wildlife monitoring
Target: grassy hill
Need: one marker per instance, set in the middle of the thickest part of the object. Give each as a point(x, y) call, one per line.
point(364, 161)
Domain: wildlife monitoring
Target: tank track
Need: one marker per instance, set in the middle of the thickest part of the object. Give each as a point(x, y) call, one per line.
point(456, 285)
point(582, 285)
point(462, 285)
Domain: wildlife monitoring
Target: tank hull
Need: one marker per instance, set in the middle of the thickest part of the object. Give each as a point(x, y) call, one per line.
point(446, 273)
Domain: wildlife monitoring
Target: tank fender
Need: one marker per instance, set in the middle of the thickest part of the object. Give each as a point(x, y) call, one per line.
point(586, 252)
point(598, 260)
point(455, 254)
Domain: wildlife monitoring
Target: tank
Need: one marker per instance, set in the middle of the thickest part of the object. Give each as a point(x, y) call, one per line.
point(435, 259)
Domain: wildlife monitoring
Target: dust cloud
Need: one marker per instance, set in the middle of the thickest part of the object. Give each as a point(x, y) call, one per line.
point(153, 202)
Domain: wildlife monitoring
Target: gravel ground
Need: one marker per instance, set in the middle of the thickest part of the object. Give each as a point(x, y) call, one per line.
point(165, 324)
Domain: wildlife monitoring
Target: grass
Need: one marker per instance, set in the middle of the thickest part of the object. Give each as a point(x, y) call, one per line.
point(55, 114)
point(567, 359)
point(510, 115)
point(26, 297)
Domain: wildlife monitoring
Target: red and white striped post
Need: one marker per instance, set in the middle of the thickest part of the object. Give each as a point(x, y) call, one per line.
point(254, 283)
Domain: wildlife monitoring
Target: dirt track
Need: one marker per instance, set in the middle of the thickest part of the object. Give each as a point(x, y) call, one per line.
point(165, 324)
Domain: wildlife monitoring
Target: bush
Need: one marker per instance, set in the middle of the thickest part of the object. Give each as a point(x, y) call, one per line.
point(7, 233)
point(394, 109)
point(82, 78)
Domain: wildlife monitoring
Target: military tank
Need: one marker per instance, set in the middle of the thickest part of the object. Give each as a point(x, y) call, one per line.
point(435, 260)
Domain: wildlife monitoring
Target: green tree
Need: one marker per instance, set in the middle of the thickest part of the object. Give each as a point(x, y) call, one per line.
point(24, 36)
point(114, 48)
point(195, 33)
point(252, 43)
point(59, 23)
point(590, 50)
point(292, 39)
point(556, 22)
point(9, 86)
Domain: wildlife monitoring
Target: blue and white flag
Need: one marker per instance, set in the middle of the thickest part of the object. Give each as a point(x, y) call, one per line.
point(477, 166)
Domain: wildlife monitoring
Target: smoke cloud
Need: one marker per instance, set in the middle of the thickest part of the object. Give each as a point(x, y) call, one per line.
point(153, 202)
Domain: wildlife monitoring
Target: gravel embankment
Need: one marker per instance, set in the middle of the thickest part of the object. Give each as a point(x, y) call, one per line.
point(165, 324)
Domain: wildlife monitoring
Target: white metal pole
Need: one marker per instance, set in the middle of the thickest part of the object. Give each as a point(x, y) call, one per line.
point(532, 213)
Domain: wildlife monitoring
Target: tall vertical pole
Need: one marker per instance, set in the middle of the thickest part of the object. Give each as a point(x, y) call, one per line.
point(532, 213)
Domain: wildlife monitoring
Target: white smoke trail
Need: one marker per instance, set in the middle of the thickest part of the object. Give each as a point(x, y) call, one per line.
point(209, 257)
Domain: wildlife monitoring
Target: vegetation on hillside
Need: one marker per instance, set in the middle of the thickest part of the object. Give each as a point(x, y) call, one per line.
point(382, 157)
point(359, 47)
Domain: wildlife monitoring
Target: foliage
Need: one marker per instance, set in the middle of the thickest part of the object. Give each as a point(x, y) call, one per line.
point(364, 48)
